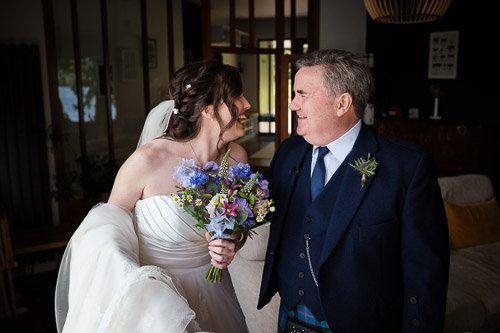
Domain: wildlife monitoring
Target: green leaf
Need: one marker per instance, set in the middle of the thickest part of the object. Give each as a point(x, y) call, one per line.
point(211, 186)
point(189, 208)
point(241, 216)
point(251, 199)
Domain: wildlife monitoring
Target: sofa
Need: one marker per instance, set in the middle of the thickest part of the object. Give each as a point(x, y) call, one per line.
point(473, 301)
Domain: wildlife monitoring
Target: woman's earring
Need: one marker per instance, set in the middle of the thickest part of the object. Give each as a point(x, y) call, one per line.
point(211, 119)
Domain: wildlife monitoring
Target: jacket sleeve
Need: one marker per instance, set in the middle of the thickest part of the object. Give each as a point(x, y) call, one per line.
point(425, 251)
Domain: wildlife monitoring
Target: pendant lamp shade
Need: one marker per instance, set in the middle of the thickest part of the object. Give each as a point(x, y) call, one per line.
point(406, 11)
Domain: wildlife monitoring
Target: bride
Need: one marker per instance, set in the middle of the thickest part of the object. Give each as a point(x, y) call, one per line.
point(138, 263)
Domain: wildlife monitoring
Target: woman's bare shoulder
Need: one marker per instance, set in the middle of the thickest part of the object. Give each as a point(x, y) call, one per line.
point(148, 159)
point(238, 153)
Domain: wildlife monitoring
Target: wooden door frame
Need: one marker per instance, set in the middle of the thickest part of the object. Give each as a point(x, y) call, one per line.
point(282, 60)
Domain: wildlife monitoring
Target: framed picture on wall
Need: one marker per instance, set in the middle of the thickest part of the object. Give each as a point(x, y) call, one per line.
point(152, 61)
point(443, 54)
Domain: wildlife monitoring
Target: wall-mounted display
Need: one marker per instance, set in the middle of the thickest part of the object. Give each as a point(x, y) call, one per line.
point(443, 53)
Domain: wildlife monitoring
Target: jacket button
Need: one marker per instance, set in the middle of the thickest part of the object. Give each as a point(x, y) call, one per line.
point(272, 253)
point(301, 292)
point(307, 219)
point(415, 322)
point(413, 300)
point(301, 274)
point(302, 255)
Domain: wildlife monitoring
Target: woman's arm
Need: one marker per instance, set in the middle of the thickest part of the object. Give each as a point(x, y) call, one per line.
point(129, 182)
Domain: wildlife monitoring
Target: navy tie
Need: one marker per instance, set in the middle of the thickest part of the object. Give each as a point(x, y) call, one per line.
point(318, 176)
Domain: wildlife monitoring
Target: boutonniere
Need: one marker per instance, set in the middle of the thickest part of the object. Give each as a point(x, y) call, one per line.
point(366, 167)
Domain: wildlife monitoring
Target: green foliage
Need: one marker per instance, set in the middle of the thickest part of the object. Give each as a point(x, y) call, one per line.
point(366, 167)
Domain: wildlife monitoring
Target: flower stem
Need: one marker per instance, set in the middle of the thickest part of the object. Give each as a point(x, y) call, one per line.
point(214, 274)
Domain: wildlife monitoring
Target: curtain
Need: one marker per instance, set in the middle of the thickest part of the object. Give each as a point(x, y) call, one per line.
point(24, 177)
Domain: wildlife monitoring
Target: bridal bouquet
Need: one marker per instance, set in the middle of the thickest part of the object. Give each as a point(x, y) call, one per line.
point(222, 199)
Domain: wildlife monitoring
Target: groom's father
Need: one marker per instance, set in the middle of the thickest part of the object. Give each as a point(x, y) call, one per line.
point(359, 240)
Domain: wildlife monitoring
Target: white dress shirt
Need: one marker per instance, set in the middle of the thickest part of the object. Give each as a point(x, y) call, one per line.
point(339, 149)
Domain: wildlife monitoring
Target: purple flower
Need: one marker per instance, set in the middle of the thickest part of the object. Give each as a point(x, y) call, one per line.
point(229, 208)
point(262, 183)
point(243, 204)
point(263, 193)
point(211, 166)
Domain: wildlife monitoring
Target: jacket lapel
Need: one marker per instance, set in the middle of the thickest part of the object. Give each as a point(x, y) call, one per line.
point(350, 194)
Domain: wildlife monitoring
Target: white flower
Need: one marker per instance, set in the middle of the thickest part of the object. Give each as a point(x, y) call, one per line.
point(219, 198)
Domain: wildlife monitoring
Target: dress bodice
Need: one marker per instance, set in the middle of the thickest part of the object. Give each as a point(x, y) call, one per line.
point(167, 235)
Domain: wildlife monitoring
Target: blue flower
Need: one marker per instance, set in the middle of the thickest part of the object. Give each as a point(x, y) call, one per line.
point(220, 234)
point(199, 178)
point(229, 223)
point(240, 170)
point(259, 177)
point(184, 171)
point(214, 224)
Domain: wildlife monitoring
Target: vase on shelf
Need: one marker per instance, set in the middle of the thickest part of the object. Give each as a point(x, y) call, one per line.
point(435, 115)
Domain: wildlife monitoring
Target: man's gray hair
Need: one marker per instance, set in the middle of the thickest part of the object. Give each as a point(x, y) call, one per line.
point(344, 72)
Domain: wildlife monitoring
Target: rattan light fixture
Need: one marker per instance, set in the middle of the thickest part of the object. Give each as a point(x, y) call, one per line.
point(406, 11)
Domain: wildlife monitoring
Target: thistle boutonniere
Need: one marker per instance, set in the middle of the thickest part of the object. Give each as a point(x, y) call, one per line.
point(366, 168)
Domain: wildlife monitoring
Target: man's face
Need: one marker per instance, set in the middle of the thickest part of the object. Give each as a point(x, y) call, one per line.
point(316, 112)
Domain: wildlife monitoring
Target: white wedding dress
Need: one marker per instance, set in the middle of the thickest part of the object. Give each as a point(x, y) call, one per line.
point(169, 239)
point(142, 272)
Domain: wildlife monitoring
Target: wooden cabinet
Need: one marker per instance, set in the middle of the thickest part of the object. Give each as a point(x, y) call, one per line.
point(458, 148)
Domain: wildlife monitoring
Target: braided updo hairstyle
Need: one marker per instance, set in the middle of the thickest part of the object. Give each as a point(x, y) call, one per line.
point(196, 86)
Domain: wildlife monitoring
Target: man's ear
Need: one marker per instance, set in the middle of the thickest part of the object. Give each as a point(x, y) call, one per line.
point(344, 104)
point(208, 112)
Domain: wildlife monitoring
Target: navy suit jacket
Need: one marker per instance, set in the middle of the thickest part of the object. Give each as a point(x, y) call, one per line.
point(385, 260)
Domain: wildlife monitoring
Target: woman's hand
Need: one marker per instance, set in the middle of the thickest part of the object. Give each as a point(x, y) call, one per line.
point(223, 251)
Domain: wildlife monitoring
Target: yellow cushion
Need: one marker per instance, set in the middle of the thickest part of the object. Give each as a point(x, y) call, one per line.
point(473, 224)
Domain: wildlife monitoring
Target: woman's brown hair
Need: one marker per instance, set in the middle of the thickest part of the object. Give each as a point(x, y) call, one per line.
point(196, 86)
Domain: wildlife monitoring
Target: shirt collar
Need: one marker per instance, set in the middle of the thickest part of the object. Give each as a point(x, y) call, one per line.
point(342, 146)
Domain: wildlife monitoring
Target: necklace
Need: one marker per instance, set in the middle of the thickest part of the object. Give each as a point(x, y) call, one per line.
point(196, 156)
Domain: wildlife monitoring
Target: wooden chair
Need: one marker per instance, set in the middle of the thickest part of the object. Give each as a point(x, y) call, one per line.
point(8, 296)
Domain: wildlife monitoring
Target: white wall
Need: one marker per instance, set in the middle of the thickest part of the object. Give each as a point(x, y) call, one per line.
point(342, 25)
